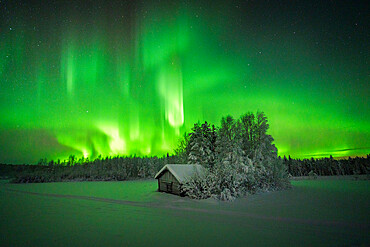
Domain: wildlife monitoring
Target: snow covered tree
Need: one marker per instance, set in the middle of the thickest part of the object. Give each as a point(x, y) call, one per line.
point(240, 155)
point(247, 128)
point(201, 145)
point(256, 143)
point(229, 143)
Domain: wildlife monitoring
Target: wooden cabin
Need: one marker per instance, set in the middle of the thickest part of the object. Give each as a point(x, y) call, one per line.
point(171, 177)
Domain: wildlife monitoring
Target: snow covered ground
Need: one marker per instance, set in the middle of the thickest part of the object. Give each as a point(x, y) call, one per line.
point(329, 212)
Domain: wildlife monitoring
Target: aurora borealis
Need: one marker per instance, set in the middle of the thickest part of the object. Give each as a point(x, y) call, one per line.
point(112, 78)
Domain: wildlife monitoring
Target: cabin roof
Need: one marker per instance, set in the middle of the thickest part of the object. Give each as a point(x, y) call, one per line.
point(181, 172)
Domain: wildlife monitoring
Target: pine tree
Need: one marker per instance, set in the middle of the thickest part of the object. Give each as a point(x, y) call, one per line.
point(201, 145)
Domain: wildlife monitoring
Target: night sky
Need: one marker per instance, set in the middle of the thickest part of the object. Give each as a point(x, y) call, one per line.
point(130, 77)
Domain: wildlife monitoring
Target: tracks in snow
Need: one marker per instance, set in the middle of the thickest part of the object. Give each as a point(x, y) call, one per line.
point(230, 213)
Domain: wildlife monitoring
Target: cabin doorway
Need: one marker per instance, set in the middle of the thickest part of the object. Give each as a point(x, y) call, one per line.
point(169, 187)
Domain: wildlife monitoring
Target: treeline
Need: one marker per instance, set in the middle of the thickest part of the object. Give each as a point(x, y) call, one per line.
point(11, 171)
point(239, 157)
point(126, 168)
point(327, 166)
point(100, 169)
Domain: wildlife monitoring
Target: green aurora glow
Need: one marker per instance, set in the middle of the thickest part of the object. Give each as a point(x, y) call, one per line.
point(129, 79)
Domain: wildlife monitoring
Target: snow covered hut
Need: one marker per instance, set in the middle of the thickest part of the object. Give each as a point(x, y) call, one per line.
point(171, 177)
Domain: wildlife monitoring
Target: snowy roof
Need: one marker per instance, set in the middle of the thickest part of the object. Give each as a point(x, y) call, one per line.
point(181, 172)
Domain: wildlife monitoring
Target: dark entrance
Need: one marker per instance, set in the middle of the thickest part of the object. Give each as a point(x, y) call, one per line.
point(169, 187)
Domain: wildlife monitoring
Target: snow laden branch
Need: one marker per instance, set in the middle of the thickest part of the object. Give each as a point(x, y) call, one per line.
point(239, 156)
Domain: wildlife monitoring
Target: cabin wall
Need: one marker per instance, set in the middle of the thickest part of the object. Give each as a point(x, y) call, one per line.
point(168, 183)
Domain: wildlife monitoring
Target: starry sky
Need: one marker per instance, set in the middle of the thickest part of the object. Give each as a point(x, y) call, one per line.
point(130, 77)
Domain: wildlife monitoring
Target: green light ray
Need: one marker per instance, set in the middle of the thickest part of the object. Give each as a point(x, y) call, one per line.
point(134, 81)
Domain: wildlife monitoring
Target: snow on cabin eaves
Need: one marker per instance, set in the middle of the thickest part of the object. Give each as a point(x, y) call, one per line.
point(181, 172)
